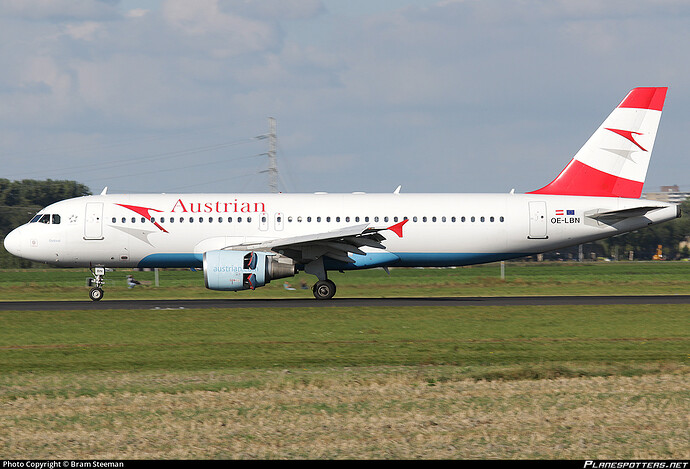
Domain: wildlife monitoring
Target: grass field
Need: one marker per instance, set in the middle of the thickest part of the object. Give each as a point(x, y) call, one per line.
point(521, 278)
point(563, 382)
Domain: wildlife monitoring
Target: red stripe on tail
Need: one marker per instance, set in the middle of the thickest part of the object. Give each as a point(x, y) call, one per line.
point(645, 98)
point(585, 180)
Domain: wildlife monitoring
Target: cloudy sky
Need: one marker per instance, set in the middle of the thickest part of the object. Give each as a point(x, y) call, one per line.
point(436, 96)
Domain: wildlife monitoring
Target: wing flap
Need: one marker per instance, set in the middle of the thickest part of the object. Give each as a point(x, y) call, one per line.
point(273, 244)
point(336, 244)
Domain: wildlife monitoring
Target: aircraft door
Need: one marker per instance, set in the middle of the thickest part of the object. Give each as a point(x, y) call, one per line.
point(537, 220)
point(93, 221)
point(278, 221)
point(263, 221)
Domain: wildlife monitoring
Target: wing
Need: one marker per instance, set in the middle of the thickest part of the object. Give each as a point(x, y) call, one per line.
point(336, 244)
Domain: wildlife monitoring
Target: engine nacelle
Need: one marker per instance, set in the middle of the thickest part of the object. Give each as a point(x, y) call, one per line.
point(242, 270)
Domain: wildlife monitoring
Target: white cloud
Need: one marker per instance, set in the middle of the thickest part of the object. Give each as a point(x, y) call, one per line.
point(384, 90)
point(50, 10)
point(137, 13)
point(225, 34)
point(274, 9)
point(86, 30)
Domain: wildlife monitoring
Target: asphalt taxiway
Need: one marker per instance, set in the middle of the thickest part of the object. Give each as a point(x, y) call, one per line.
point(105, 304)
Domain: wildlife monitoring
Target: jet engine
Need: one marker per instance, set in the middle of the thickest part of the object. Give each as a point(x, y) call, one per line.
point(242, 270)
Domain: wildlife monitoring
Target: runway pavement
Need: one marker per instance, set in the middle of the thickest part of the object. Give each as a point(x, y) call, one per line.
point(342, 302)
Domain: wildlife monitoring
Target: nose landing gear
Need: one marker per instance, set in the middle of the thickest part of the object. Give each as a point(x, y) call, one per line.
point(96, 293)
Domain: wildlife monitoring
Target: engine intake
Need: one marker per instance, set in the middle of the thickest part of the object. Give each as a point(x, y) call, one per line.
point(242, 270)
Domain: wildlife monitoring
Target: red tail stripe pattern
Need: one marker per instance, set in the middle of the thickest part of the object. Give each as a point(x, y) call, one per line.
point(585, 180)
point(645, 98)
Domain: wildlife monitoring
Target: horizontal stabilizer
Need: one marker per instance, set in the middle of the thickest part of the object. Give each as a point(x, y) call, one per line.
point(625, 213)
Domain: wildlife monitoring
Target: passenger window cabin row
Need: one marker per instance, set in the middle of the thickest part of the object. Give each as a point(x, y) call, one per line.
point(54, 219)
point(318, 219)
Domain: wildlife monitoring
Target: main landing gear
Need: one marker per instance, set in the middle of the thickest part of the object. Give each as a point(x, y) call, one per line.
point(96, 293)
point(324, 289)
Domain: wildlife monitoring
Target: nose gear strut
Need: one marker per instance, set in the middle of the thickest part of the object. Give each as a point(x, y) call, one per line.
point(97, 282)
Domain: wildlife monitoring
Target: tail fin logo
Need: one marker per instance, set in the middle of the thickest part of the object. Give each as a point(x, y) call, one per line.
point(594, 171)
point(629, 135)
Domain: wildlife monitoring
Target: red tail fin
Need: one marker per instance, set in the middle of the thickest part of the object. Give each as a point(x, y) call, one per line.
point(614, 161)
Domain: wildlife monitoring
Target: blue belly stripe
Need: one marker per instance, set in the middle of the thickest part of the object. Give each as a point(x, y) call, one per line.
point(374, 259)
point(171, 260)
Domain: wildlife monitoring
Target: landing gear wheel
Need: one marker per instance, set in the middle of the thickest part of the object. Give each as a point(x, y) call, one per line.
point(97, 282)
point(96, 294)
point(324, 290)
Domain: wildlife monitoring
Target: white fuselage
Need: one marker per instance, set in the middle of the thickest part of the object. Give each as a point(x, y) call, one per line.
point(174, 230)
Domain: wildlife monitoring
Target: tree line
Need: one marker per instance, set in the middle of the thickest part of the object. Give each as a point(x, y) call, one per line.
point(20, 200)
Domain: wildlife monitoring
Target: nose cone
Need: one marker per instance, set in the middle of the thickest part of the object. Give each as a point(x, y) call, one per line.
point(13, 243)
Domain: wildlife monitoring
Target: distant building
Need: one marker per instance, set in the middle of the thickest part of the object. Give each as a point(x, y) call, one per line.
point(671, 194)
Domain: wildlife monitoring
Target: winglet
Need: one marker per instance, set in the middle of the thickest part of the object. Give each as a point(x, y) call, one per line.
point(397, 228)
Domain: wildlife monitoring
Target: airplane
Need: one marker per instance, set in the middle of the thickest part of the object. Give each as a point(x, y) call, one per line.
point(244, 241)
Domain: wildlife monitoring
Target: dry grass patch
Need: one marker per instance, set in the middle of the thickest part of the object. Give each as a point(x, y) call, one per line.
point(351, 415)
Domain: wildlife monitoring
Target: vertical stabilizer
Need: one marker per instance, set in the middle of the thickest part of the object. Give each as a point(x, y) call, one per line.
point(614, 161)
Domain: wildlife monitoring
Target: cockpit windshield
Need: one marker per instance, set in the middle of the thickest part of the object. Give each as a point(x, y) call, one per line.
point(46, 218)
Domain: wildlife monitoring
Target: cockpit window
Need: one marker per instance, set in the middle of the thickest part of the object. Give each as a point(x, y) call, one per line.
point(46, 218)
